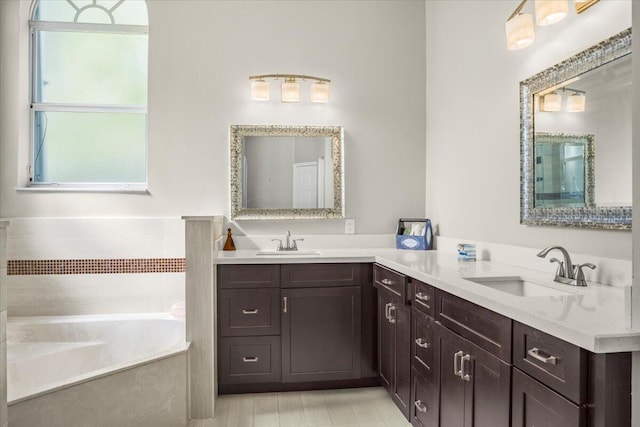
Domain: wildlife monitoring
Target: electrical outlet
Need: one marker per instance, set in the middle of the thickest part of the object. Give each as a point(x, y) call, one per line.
point(350, 226)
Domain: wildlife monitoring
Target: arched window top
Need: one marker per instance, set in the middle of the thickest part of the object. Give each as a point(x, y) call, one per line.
point(119, 12)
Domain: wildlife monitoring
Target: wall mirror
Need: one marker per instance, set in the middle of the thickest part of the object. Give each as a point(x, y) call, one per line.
point(286, 172)
point(575, 140)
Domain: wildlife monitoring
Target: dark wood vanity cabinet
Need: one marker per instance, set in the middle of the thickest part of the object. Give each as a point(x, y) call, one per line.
point(472, 367)
point(281, 325)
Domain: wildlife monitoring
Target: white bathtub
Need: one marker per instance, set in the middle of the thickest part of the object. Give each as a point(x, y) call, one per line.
point(54, 361)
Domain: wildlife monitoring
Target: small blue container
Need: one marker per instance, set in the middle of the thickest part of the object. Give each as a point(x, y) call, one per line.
point(414, 233)
point(466, 252)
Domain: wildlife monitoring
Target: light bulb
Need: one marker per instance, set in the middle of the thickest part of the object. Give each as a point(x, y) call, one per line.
point(320, 92)
point(520, 31)
point(551, 11)
point(290, 91)
point(576, 103)
point(552, 102)
point(260, 90)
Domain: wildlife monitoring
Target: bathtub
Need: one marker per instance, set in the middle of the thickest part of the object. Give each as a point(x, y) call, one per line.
point(95, 370)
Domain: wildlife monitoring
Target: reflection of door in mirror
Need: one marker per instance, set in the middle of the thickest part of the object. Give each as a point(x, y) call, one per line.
point(288, 172)
point(563, 170)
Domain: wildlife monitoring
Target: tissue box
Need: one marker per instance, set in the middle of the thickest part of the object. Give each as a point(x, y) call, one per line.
point(414, 233)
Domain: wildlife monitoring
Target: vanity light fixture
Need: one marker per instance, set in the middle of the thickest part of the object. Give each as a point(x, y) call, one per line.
point(519, 27)
point(290, 88)
point(552, 101)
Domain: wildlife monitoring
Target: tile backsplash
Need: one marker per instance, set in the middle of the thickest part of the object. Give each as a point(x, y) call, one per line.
point(66, 266)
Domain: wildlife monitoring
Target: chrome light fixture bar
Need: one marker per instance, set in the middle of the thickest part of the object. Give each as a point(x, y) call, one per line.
point(289, 89)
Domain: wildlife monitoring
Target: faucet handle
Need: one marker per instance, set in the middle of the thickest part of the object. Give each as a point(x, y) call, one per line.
point(579, 274)
point(279, 243)
point(560, 270)
point(294, 246)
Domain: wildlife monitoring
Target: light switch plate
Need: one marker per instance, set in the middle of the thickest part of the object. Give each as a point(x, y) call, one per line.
point(349, 226)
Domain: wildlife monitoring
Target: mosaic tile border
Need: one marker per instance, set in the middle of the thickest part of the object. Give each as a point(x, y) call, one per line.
point(95, 266)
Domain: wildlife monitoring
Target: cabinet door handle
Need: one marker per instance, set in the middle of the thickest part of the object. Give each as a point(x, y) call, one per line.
point(456, 370)
point(535, 353)
point(465, 371)
point(386, 282)
point(421, 343)
point(420, 406)
point(386, 311)
point(253, 311)
point(284, 304)
point(250, 359)
point(423, 297)
point(392, 317)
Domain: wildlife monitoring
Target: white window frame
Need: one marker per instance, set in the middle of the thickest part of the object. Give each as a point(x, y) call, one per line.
point(76, 27)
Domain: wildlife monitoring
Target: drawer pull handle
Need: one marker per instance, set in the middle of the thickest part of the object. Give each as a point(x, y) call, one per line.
point(254, 311)
point(422, 297)
point(386, 282)
point(420, 406)
point(250, 359)
point(421, 343)
point(457, 371)
point(535, 353)
point(464, 373)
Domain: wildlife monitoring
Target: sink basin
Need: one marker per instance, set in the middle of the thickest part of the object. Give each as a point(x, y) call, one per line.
point(288, 253)
point(517, 286)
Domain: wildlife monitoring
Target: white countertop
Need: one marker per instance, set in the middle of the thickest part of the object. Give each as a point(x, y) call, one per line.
point(592, 317)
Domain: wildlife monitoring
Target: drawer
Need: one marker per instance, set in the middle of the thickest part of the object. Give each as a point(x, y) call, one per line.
point(424, 401)
point(485, 328)
point(245, 312)
point(245, 360)
point(554, 362)
point(422, 342)
point(423, 297)
point(249, 276)
point(533, 404)
point(395, 282)
point(320, 275)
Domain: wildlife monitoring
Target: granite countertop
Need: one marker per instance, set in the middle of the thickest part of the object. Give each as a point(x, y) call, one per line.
point(592, 317)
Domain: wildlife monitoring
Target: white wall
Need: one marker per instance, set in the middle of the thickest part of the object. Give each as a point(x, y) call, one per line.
point(201, 54)
point(473, 146)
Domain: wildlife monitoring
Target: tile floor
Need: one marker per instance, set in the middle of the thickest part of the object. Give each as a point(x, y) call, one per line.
point(371, 407)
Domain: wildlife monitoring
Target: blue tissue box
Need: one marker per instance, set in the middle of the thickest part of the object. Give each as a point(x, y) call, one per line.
point(422, 240)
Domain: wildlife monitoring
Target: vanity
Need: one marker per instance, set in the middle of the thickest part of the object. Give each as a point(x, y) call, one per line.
point(454, 344)
point(449, 350)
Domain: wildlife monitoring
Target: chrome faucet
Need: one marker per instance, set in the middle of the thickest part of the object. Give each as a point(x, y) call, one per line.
point(292, 244)
point(567, 272)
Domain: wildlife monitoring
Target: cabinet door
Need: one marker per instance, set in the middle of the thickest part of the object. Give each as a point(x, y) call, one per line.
point(320, 334)
point(386, 341)
point(450, 349)
point(401, 315)
point(488, 392)
point(474, 384)
point(537, 405)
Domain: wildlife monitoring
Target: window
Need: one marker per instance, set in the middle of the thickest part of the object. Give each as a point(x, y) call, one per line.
point(89, 93)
